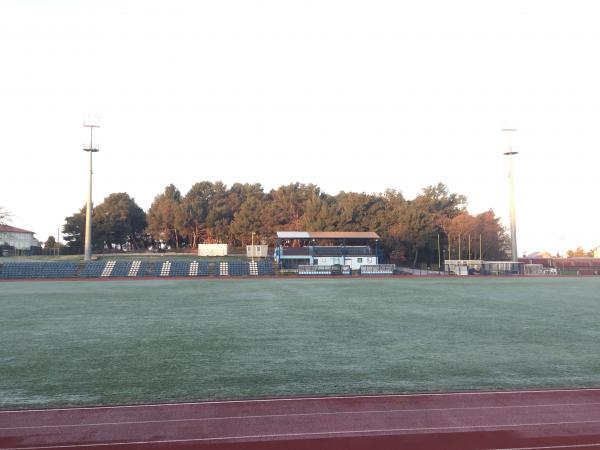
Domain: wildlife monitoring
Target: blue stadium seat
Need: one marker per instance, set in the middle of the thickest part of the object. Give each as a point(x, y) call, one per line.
point(121, 269)
point(265, 267)
point(92, 269)
point(179, 269)
point(203, 269)
point(220, 267)
point(40, 270)
point(239, 268)
point(149, 269)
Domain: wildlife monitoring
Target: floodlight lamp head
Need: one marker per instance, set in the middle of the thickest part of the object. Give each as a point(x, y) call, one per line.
point(92, 122)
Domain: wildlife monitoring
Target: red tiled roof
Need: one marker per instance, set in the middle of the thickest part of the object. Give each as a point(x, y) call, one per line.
point(9, 229)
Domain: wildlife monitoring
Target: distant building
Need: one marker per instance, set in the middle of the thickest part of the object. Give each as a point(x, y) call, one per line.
point(537, 255)
point(477, 266)
point(17, 237)
point(579, 265)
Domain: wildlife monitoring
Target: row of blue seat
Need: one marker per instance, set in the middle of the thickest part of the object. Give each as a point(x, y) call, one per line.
point(39, 270)
point(121, 268)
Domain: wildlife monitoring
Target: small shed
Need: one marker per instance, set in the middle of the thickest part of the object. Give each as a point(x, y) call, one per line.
point(257, 251)
point(213, 250)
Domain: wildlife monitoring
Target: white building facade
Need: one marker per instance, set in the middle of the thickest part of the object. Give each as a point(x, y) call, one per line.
point(17, 237)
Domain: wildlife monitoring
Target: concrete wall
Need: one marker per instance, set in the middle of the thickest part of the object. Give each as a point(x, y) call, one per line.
point(353, 261)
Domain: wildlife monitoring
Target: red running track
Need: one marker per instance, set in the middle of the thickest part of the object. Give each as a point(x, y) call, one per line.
point(542, 419)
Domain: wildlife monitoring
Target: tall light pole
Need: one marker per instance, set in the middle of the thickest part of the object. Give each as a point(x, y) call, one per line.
point(88, 210)
point(511, 182)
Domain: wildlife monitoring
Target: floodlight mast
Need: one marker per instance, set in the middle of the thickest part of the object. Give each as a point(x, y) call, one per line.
point(88, 210)
point(511, 182)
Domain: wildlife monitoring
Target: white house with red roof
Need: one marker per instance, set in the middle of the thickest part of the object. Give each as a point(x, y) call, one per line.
point(18, 238)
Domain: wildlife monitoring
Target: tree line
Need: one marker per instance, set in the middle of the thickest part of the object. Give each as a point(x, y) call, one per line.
point(4, 216)
point(413, 231)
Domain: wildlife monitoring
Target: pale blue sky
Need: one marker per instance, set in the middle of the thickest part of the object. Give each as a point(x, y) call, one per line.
point(350, 95)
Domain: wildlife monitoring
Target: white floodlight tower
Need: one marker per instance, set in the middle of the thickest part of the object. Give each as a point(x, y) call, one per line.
point(513, 221)
point(88, 211)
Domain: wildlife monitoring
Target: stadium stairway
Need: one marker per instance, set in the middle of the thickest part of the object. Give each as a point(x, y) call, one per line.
point(253, 268)
point(134, 269)
point(108, 269)
point(223, 269)
point(165, 269)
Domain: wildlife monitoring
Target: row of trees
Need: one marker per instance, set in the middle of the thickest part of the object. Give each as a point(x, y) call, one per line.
point(580, 252)
point(211, 212)
point(116, 222)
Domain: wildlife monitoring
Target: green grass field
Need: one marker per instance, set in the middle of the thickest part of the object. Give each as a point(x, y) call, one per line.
point(81, 343)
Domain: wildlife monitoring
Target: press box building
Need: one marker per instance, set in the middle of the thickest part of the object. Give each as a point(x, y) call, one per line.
point(327, 248)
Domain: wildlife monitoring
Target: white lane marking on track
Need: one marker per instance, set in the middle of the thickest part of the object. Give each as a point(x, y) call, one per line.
point(300, 399)
point(323, 434)
point(323, 413)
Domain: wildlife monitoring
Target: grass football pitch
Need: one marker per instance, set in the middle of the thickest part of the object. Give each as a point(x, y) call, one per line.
point(115, 342)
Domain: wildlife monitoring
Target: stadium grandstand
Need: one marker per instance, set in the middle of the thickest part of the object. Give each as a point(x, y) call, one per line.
point(133, 269)
point(327, 248)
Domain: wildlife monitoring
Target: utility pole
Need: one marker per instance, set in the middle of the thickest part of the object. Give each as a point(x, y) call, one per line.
point(88, 210)
point(469, 248)
point(439, 254)
point(513, 220)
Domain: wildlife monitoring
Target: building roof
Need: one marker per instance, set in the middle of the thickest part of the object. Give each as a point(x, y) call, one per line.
point(9, 229)
point(327, 235)
point(538, 255)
